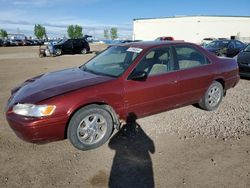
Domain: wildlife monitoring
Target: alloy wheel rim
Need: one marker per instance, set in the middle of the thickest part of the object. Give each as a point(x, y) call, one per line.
point(84, 51)
point(214, 96)
point(58, 52)
point(92, 129)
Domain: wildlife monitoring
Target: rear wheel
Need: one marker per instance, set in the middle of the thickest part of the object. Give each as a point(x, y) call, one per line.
point(90, 127)
point(213, 97)
point(84, 51)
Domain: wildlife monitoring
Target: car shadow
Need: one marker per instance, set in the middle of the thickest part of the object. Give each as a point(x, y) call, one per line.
point(132, 164)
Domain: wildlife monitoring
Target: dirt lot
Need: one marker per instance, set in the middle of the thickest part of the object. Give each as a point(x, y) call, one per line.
point(186, 147)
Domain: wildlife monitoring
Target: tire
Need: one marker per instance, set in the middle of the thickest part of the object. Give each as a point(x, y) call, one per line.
point(90, 127)
point(58, 52)
point(213, 97)
point(84, 51)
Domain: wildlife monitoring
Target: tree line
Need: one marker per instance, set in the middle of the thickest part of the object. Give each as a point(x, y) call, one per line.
point(74, 31)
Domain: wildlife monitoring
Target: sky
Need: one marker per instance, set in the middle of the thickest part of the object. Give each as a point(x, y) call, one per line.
point(20, 16)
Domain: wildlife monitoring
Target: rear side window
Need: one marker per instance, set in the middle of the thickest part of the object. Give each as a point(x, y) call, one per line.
point(189, 57)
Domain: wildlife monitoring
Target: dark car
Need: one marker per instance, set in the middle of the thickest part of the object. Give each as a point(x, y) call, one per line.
point(7, 42)
point(17, 42)
point(128, 41)
point(1, 42)
point(243, 60)
point(71, 46)
point(37, 42)
point(228, 48)
point(28, 43)
point(131, 80)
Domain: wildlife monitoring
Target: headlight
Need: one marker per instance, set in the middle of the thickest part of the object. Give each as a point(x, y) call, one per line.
point(32, 110)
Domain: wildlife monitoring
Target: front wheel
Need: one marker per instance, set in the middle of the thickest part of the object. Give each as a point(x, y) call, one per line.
point(213, 97)
point(90, 127)
point(58, 52)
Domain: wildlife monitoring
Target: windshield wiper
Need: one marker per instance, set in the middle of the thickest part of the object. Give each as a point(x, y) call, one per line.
point(84, 68)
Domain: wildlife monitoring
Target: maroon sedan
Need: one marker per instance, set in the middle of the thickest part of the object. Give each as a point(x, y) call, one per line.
point(86, 103)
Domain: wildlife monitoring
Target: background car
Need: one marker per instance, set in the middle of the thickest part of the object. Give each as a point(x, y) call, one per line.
point(243, 59)
point(165, 38)
point(71, 46)
point(206, 41)
point(1, 42)
point(128, 41)
point(228, 48)
point(18, 42)
point(38, 42)
point(7, 42)
point(28, 43)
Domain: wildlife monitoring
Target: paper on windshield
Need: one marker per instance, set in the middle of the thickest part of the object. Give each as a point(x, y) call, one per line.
point(133, 49)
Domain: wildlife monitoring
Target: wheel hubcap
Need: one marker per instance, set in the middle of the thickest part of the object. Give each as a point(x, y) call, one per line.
point(58, 52)
point(84, 51)
point(214, 96)
point(92, 129)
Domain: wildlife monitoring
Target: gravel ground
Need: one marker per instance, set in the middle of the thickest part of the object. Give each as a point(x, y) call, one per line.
point(231, 120)
point(185, 147)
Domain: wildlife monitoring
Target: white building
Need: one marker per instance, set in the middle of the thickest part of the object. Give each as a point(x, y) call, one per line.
point(192, 28)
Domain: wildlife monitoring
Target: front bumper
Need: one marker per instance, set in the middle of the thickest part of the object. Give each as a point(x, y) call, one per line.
point(37, 130)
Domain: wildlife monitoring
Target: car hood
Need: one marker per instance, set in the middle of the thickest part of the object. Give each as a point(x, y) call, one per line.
point(52, 84)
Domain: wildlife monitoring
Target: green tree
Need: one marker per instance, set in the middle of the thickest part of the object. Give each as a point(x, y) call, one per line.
point(70, 31)
point(74, 31)
point(3, 33)
point(113, 33)
point(106, 33)
point(40, 31)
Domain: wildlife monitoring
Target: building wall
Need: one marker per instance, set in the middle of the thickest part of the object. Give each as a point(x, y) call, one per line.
point(193, 28)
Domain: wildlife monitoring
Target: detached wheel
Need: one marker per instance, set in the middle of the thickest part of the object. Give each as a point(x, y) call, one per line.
point(213, 97)
point(84, 51)
point(90, 127)
point(58, 52)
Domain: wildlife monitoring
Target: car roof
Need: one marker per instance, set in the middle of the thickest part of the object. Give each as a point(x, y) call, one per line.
point(226, 40)
point(151, 44)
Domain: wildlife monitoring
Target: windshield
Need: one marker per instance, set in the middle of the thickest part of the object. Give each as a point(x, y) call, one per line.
point(113, 61)
point(62, 41)
point(218, 44)
point(247, 49)
point(158, 39)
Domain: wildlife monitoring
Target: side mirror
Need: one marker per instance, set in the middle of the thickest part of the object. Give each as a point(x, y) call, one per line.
point(138, 76)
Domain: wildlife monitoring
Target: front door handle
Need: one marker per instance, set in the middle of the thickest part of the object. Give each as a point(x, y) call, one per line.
point(174, 82)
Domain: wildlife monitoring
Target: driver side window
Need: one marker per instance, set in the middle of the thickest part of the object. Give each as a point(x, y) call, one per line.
point(157, 61)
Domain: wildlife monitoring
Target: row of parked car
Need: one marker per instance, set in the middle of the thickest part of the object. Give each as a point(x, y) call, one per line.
point(19, 42)
point(225, 47)
point(233, 49)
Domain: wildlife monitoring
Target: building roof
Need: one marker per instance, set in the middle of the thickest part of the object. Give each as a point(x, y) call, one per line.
point(185, 16)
